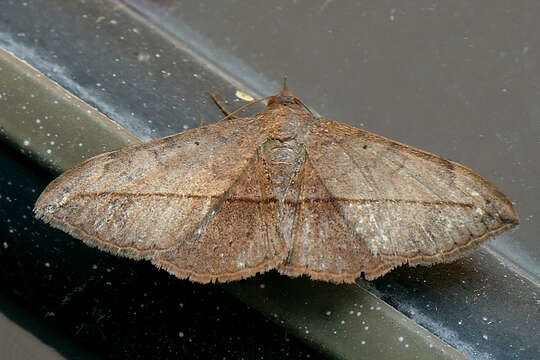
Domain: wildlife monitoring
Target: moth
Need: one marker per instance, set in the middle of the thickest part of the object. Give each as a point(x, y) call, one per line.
point(283, 190)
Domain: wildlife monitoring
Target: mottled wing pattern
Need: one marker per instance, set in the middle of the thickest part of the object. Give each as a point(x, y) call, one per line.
point(167, 195)
point(403, 203)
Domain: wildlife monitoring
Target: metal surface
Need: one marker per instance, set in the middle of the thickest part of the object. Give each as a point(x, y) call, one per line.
point(344, 322)
point(397, 70)
point(25, 336)
point(40, 118)
point(478, 304)
point(124, 67)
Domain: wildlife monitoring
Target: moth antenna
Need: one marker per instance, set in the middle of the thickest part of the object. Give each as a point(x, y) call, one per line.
point(300, 102)
point(285, 90)
point(232, 114)
point(222, 108)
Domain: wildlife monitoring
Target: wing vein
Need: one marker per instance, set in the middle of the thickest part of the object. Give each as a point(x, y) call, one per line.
point(275, 200)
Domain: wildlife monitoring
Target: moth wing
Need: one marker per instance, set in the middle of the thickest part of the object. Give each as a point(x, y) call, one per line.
point(406, 203)
point(164, 199)
point(398, 203)
point(323, 246)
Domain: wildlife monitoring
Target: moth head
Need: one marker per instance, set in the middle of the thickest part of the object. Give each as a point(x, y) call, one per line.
point(284, 97)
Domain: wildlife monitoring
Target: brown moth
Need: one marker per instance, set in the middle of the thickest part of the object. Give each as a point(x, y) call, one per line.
point(281, 190)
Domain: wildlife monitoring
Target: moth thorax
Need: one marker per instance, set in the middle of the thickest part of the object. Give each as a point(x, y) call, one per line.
point(283, 159)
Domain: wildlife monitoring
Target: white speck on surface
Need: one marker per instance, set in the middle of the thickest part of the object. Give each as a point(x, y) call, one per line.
point(262, 286)
point(328, 313)
point(38, 121)
point(406, 345)
point(143, 57)
point(392, 12)
point(400, 338)
point(342, 322)
point(242, 95)
point(49, 151)
point(363, 342)
point(181, 334)
point(485, 337)
point(47, 264)
point(358, 313)
point(26, 142)
point(366, 328)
